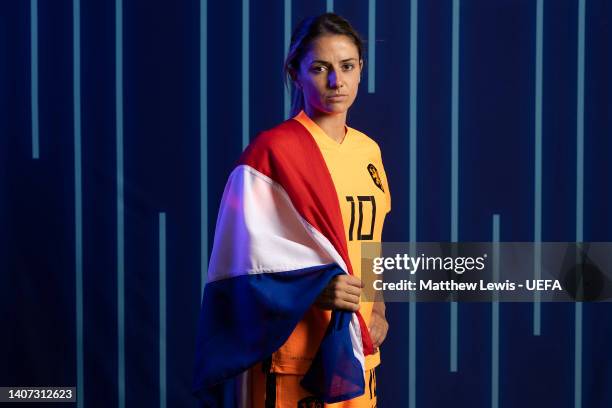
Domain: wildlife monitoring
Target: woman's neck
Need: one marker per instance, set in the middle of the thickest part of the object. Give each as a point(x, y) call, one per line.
point(333, 125)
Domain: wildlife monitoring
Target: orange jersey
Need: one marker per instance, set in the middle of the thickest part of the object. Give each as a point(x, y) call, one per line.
point(359, 177)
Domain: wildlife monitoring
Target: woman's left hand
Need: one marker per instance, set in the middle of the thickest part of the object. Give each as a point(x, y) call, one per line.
point(378, 324)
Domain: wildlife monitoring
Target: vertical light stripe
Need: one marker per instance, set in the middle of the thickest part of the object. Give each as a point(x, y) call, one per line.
point(413, 120)
point(578, 356)
point(454, 334)
point(203, 144)
point(579, 197)
point(371, 46)
point(580, 126)
point(330, 6)
point(34, 76)
point(78, 197)
point(537, 233)
point(495, 317)
point(120, 204)
point(287, 37)
point(412, 351)
point(245, 73)
point(162, 311)
point(414, 19)
point(454, 312)
point(455, 125)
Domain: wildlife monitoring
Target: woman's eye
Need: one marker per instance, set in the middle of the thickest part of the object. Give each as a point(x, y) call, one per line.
point(348, 67)
point(318, 68)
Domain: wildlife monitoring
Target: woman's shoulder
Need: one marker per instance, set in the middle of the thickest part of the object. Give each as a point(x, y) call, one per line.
point(285, 139)
point(278, 136)
point(363, 141)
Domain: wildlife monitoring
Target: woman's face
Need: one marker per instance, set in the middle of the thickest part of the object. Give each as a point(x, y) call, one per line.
point(329, 74)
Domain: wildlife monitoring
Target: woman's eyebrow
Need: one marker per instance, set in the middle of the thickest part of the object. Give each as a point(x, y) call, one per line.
point(327, 62)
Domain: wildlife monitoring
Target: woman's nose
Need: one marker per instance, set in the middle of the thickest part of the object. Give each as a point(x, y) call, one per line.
point(334, 80)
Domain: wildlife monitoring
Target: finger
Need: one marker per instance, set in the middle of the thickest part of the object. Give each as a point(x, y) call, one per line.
point(349, 306)
point(350, 298)
point(375, 336)
point(350, 280)
point(375, 343)
point(352, 290)
point(378, 330)
point(382, 335)
point(354, 281)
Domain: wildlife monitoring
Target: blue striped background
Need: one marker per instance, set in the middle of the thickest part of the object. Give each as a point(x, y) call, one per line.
point(120, 121)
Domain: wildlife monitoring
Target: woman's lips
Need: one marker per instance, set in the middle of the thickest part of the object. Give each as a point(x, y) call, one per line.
point(336, 98)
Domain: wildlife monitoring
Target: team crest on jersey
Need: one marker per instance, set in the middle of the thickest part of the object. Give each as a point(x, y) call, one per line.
point(310, 402)
point(375, 177)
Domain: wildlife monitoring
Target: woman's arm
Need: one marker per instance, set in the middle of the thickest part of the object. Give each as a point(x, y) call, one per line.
point(378, 324)
point(343, 292)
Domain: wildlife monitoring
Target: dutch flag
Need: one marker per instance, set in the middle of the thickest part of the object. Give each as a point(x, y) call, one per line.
point(279, 239)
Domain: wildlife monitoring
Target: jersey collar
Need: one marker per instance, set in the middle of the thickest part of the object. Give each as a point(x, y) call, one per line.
point(322, 139)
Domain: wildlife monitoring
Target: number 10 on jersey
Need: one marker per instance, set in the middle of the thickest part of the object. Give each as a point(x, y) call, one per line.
point(363, 201)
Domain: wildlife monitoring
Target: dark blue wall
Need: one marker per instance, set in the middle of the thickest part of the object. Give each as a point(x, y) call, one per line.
point(167, 196)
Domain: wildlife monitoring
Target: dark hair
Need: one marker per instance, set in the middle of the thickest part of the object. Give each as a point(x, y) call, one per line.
point(303, 35)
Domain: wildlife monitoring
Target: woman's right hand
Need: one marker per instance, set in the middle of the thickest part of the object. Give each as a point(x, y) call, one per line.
point(342, 292)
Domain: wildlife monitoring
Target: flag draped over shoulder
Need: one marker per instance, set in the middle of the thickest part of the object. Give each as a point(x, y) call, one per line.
point(279, 239)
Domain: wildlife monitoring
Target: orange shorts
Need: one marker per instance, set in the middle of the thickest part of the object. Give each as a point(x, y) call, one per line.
point(272, 390)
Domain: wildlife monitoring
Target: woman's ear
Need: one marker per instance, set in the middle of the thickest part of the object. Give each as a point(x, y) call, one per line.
point(360, 69)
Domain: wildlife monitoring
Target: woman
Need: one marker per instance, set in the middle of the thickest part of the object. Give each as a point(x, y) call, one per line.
point(282, 310)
